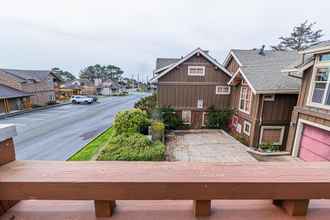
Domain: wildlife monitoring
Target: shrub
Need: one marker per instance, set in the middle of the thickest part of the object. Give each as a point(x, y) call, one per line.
point(168, 116)
point(132, 140)
point(147, 104)
point(133, 147)
point(157, 130)
point(134, 120)
point(218, 118)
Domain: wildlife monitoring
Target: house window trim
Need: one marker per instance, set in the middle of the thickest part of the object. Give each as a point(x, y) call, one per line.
point(186, 123)
point(318, 65)
point(240, 97)
point(191, 67)
point(203, 119)
point(222, 93)
point(244, 126)
point(272, 127)
point(269, 99)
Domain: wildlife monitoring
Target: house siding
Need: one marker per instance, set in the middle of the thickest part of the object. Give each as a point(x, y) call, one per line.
point(180, 91)
point(232, 66)
point(41, 91)
point(303, 111)
point(263, 113)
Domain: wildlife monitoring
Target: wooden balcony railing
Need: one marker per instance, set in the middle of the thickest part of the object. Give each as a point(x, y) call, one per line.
point(289, 185)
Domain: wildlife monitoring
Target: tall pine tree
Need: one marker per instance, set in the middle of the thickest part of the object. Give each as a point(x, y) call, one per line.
point(301, 37)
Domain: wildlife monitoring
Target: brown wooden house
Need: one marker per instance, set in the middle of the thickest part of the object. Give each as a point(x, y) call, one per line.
point(191, 85)
point(262, 96)
point(309, 137)
point(12, 100)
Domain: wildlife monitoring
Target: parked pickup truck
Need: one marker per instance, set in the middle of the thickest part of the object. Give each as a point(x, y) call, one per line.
point(78, 99)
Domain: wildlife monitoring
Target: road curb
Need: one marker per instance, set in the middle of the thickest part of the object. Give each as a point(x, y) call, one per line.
point(93, 139)
point(32, 110)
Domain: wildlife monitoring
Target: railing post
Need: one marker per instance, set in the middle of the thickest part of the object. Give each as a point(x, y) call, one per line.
point(104, 208)
point(202, 208)
point(293, 207)
point(7, 154)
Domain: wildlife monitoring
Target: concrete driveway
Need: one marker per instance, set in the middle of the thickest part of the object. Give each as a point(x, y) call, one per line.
point(206, 146)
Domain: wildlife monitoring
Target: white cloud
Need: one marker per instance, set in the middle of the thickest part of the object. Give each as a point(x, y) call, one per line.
point(131, 34)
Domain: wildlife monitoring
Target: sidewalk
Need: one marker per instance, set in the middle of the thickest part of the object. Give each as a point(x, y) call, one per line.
point(11, 114)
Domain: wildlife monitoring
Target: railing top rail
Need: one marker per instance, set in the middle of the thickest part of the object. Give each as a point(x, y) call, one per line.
point(153, 172)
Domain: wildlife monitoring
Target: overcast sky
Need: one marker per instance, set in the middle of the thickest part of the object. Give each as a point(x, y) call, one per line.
point(72, 34)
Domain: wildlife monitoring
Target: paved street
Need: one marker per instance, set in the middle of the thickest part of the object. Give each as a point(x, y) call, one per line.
point(57, 133)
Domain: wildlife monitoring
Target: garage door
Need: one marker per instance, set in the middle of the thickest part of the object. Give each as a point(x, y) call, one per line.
point(315, 144)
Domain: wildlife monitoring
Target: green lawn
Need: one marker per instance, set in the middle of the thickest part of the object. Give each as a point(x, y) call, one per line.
point(93, 147)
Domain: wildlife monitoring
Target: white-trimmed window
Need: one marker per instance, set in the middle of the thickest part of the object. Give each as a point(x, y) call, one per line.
point(245, 100)
point(325, 57)
point(200, 103)
point(222, 90)
point(272, 135)
point(196, 70)
point(186, 117)
point(269, 98)
point(247, 128)
point(320, 95)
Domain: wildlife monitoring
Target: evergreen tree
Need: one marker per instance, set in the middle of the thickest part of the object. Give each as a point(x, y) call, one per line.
point(301, 37)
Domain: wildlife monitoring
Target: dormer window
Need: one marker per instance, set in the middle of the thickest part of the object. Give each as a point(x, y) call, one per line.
point(196, 70)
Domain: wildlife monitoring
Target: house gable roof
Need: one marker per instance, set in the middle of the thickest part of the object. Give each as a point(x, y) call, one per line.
point(264, 71)
point(183, 59)
point(7, 92)
point(22, 75)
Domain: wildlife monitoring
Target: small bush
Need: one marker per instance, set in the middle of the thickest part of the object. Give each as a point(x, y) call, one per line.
point(218, 118)
point(134, 120)
point(269, 147)
point(157, 130)
point(147, 104)
point(133, 147)
point(132, 140)
point(168, 116)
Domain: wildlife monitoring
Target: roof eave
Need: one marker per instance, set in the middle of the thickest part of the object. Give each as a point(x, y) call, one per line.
point(281, 91)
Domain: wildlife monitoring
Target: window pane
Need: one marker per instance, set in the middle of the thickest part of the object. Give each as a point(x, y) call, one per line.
point(325, 57)
point(322, 75)
point(327, 100)
point(318, 92)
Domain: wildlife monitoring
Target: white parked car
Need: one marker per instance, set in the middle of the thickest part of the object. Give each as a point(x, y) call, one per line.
point(78, 99)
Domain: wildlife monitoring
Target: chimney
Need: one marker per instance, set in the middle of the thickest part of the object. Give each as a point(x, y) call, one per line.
point(262, 50)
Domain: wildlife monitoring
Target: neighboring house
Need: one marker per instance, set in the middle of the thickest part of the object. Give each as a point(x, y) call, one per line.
point(13, 100)
point(68, 89)
point(191, 85)
point(261, 95)
point(309, 137)
point(87, 87)
point(110, 87)
point(39, 83)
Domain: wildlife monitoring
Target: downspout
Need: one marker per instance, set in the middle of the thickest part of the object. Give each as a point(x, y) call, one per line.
point(260, 118)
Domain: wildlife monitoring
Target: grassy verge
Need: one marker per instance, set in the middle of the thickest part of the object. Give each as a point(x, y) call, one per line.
point(92, 147)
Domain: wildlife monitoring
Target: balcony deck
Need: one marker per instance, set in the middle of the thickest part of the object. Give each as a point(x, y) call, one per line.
point(161, 210)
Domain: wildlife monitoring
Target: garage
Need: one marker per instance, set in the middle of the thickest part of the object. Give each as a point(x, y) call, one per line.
point(314, 144)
